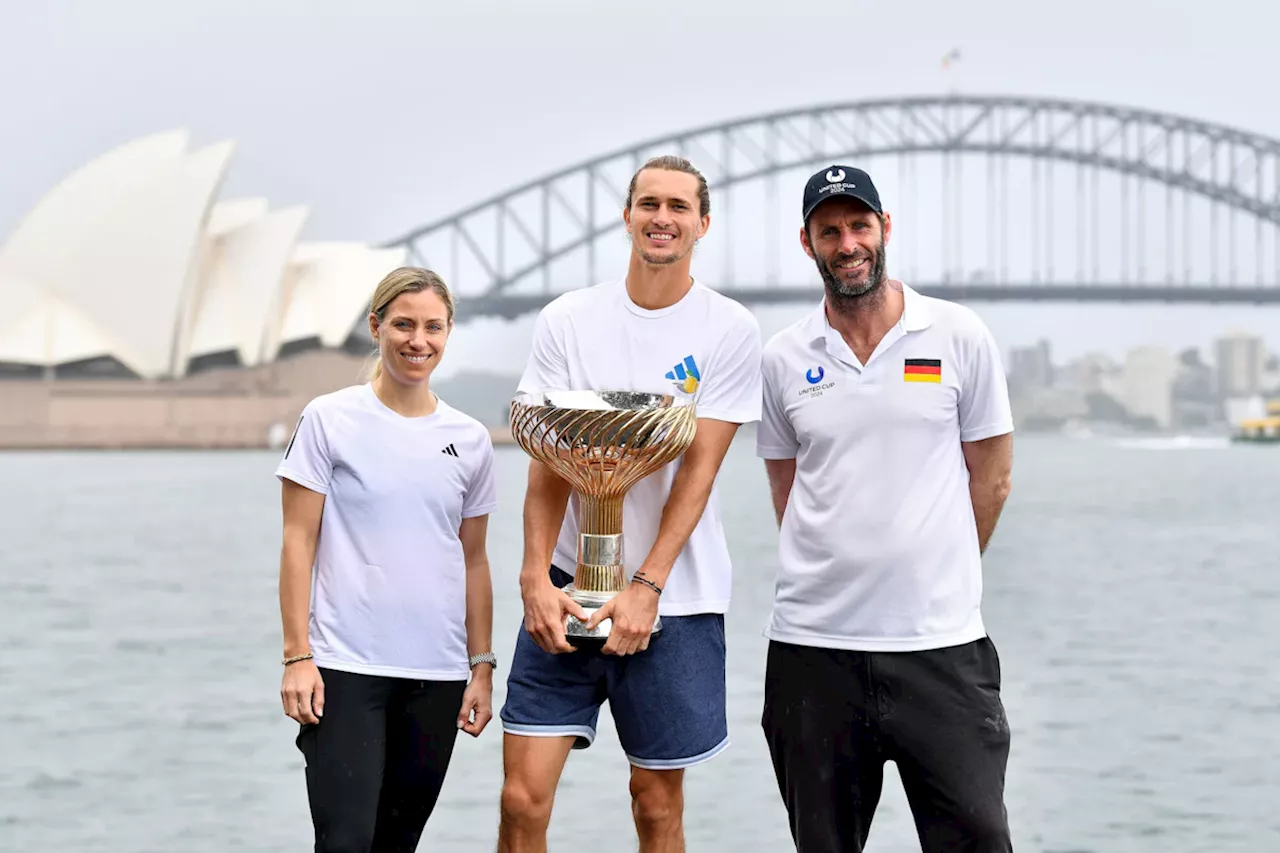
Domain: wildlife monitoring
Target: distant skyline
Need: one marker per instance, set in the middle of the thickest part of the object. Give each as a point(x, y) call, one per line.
point(384, 116)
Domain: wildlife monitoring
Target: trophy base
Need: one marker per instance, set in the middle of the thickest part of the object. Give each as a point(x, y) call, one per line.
point(576, 631)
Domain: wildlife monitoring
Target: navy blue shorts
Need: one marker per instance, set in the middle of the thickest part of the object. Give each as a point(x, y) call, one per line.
point(668, 702)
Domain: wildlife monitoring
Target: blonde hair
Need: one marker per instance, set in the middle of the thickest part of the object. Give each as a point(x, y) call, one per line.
point(671, 163)
point(405, 280)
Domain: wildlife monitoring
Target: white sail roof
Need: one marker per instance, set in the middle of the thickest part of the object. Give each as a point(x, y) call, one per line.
point(85, 197)
point(240, 286)
point(38, 328)
point(133, 257)
point(234, 213)
point(327, 291)
point(118, 241)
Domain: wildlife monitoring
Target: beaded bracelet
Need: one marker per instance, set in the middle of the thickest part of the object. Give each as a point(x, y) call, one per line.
point(638, 578)
point(297, 658)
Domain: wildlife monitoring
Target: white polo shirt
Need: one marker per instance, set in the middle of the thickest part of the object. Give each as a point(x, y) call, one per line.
point(389, 590)
point(878, 544)
point(707, 345)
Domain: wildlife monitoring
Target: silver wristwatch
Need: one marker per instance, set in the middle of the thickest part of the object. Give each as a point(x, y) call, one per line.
point(486, 657)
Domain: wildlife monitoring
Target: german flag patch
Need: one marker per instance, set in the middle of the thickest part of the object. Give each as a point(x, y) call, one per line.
point(922, 370)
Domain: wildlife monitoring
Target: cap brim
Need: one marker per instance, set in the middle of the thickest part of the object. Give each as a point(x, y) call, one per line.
point(853, 194)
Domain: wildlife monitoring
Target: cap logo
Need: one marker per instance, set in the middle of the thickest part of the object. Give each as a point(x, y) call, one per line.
point(835, 176)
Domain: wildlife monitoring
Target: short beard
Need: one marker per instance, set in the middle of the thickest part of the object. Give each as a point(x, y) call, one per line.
point(849, 299)
point(658, 260)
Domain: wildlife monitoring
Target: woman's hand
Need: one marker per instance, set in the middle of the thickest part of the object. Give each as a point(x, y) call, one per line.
point(302, 692)
point(477, 701)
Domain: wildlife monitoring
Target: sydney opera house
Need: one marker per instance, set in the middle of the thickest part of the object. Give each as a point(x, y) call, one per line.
point(139, 308)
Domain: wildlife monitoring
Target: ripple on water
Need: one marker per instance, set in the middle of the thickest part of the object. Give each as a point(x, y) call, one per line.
point(1106, 561)
point(16, 588)
point(44, 782)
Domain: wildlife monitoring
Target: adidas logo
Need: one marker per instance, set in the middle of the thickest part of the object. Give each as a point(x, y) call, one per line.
point(686, 375)
point(450, 451)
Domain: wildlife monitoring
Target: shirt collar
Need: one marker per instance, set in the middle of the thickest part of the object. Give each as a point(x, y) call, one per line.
point(916, 316)
point(816, 325)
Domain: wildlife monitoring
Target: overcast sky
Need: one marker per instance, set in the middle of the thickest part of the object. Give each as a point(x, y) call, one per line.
point(380, 116)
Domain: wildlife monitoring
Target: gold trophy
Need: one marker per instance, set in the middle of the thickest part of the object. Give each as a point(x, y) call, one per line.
point(602, 443)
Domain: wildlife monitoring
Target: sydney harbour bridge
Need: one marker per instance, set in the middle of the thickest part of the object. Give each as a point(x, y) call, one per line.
point(991, 197)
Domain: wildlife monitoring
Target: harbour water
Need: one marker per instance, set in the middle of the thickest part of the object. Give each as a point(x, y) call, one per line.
point(1132, 590)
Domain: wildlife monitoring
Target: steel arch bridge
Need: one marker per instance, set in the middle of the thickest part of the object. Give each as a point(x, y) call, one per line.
point(1027, 199)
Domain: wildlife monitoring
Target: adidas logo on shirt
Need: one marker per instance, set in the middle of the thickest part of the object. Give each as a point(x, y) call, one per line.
point(686, 376)
point(450, 451)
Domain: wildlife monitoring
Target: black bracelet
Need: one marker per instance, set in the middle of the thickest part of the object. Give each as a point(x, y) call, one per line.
point(644, 580)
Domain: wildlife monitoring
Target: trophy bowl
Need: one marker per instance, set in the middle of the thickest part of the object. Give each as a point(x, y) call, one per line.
point(602, 443)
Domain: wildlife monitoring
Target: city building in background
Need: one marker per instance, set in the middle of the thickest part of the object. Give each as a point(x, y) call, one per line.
point(1152, 390)
point(1241, 361)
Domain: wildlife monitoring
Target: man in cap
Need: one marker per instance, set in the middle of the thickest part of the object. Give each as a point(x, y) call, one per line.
point(887, 439)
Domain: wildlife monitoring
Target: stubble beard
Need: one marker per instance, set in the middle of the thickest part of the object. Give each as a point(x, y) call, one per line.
point(674, 257)
point(659, 260)
point(662, 260)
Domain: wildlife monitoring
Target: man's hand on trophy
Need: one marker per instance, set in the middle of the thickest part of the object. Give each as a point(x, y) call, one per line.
point(633, 612)
point(545, 607)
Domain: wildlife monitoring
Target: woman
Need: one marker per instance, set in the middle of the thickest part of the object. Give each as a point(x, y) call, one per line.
point(387, 491)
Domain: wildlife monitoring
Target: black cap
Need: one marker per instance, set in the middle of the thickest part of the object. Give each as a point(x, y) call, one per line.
point(840, 180)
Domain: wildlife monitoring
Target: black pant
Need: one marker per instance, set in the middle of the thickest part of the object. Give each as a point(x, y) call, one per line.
point(377, 759)
point(832, 718)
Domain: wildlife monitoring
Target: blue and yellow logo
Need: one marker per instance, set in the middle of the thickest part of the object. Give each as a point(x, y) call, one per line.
point(686, 375)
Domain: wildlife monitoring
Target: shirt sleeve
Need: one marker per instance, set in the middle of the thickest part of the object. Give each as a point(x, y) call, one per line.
point(482, 491)
point(547, 368)
point(306, 458)
point(775, 437)
point(730, 390)
point(984, 391)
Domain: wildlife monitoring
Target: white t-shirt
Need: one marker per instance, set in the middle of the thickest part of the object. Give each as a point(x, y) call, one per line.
point(878, 546)
point(388, 592)
point(706, 345)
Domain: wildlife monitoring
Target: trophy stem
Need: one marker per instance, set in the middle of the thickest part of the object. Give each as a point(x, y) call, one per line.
point(599, 572)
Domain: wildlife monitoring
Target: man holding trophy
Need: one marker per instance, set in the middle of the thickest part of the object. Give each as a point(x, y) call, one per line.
point(631, 397)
